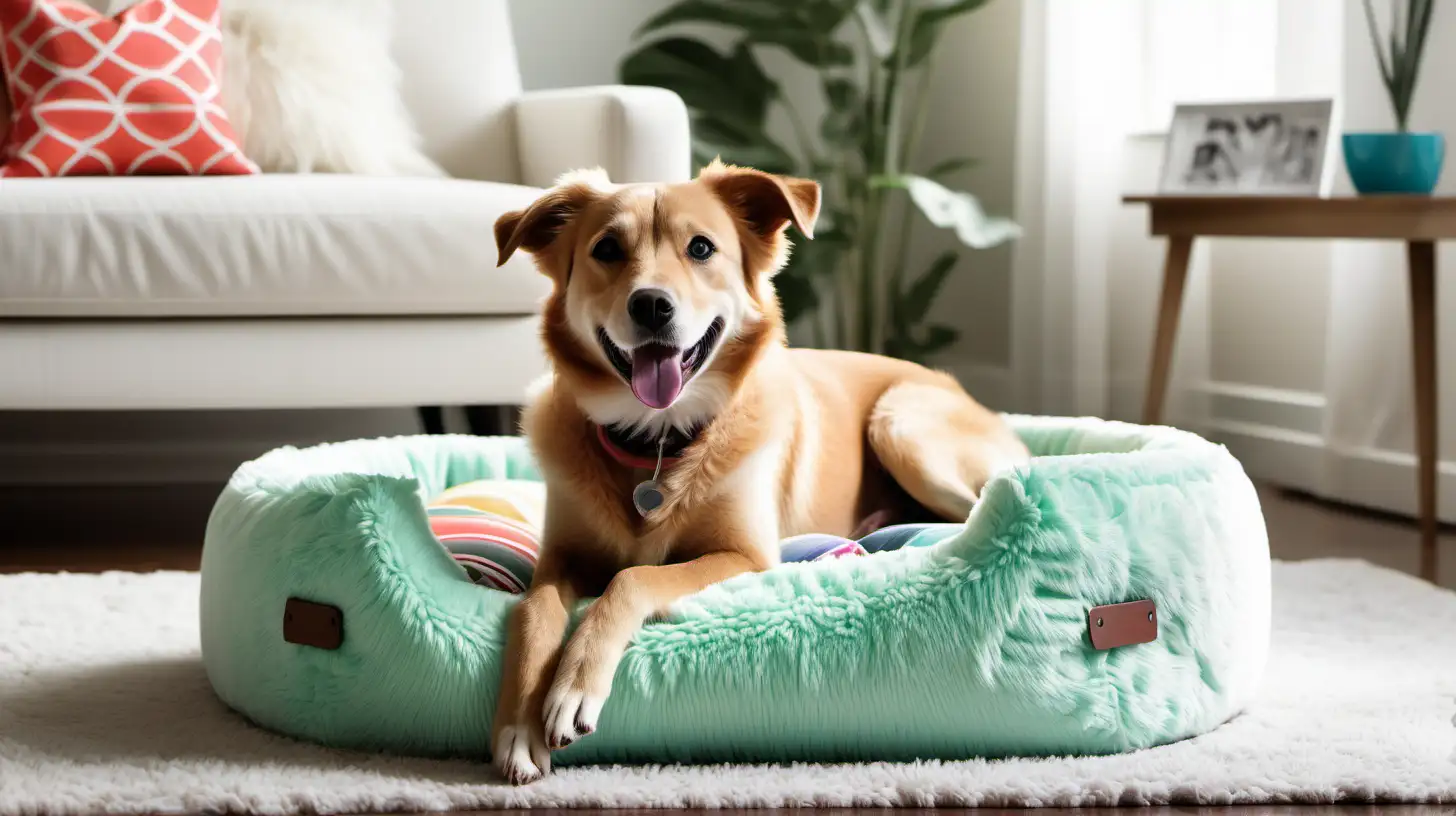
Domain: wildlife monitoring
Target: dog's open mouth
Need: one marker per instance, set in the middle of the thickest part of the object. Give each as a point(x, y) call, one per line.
point(657, 372)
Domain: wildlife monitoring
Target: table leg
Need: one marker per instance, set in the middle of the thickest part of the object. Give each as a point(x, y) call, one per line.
point(1175, 274)
point(1421, 256)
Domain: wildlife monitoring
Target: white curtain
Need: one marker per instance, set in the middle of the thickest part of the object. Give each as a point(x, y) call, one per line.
point(1094, 78)
point(1081, 92)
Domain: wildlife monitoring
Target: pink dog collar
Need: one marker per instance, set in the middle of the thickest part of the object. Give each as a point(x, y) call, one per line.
point(628, 459)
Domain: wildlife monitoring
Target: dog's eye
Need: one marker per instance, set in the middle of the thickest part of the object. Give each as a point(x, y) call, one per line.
point(608, 250)
point(700, 248)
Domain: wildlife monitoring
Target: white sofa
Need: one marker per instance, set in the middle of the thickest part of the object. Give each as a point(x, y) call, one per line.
point(319, 291)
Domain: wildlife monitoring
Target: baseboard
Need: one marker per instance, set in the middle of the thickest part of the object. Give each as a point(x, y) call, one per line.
point(1278, 455)
point(1278, 435)
point(1290, 409)
point(1387, 480)
point(1366, 477)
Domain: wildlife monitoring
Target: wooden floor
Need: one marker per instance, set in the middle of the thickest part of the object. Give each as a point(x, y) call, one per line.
point(140, 529)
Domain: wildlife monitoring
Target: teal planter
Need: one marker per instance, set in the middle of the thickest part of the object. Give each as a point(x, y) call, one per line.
point(1394, 162)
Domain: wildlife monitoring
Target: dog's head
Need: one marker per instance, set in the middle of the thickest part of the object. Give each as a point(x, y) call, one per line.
point(660, 291)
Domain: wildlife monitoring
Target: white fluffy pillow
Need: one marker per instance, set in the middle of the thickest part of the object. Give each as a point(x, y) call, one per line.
point(311, 87)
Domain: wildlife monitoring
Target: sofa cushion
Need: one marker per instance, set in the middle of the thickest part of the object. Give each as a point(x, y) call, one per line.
point(312, 87)
point(134, 94)
point(259, 246)
point(457, 59)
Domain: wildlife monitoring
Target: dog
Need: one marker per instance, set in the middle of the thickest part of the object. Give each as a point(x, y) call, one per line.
point(670, 367)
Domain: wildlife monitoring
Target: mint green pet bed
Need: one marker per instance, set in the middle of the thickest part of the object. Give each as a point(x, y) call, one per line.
point(981, 645)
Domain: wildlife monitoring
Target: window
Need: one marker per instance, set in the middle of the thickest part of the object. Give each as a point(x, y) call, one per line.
point(1206, 51)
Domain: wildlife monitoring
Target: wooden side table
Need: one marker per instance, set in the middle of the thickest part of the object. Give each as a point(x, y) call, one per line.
point(1419, 221)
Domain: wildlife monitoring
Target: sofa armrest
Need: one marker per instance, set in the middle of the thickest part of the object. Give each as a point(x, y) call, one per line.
point(634, 133)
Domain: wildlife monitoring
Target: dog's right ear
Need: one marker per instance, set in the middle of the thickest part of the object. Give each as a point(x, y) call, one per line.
point(536, 227)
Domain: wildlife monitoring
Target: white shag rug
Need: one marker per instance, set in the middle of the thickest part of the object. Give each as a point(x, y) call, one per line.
point(104, 706)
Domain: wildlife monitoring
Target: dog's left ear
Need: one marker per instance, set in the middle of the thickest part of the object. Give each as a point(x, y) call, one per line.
point(768, 203)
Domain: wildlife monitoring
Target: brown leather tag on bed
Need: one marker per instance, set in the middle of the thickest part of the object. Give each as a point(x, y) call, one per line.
point(312, 624)
point(1123, 624)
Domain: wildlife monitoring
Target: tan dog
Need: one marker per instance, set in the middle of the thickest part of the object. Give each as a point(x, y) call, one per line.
point(666, 338)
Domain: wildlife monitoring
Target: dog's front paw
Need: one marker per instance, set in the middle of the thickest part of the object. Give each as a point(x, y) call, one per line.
point(580, 689)
point(570, 713)
point(520, 754)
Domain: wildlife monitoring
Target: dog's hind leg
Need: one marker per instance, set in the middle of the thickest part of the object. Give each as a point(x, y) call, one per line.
point(940, 445)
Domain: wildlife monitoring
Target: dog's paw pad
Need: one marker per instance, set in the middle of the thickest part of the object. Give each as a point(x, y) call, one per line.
point(514, 758)
point(570, 715)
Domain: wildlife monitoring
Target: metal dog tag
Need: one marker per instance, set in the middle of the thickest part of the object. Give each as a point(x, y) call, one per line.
point(647, 497)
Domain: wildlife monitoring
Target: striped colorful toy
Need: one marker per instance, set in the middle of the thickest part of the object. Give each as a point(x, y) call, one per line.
point(490, 528)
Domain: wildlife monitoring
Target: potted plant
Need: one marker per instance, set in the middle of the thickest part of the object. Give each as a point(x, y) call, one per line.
point(851, 286)
point(1400, 162)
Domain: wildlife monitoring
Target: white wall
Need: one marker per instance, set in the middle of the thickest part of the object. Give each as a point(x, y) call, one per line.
point(974, 101)
point(569, 43)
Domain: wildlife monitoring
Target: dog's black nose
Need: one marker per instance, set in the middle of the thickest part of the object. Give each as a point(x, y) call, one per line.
point(650, 308)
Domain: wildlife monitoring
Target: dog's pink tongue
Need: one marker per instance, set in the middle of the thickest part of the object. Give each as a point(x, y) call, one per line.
point(656, 374)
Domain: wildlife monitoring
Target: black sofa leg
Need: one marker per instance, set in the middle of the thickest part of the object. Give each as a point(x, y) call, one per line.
point(482, 420)
point(432, 418)
point(493, 420)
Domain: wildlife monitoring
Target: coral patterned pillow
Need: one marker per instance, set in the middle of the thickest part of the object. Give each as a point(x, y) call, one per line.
point(134, 94)
point(4, 114)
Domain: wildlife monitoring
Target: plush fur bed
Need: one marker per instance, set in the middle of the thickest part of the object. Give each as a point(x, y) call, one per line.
point(978, 646)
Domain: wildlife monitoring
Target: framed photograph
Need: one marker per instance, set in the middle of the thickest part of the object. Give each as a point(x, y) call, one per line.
point(1250, 148)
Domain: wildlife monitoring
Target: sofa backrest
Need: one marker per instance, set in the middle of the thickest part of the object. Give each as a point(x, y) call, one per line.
point(460, 77)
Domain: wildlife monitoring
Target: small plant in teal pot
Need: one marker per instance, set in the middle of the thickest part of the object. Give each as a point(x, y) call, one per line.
point(1400, 162)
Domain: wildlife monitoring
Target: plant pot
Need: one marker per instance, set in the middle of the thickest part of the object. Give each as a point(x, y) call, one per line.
point(1394, 162)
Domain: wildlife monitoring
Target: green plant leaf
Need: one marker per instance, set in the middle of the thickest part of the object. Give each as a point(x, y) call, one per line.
point(822, 15)
point(715, 137)
point(899, 346)
point(733, 87)
point(805, 29)
point(761, 19)
point(1374, 29)
point(955, 210)
point(907, 346)
point(819, 259)
point(951, 165)
point(836, 236)
point(797, 296)
point(1421, 9)
point(748, 15)
point(728, 94)
point(812, 48)
point(876, 32)
point(937, 337)
point(914, 303)
point(843, 122)
point(842, 93)
point(930, 22)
